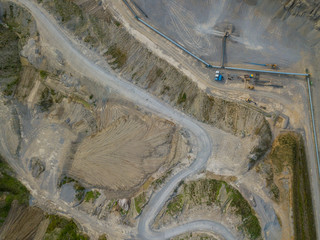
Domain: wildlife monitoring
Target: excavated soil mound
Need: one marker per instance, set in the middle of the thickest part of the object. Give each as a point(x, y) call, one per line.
point(131, 147)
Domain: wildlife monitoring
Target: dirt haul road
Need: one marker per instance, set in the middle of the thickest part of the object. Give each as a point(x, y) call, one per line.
point(55, 37)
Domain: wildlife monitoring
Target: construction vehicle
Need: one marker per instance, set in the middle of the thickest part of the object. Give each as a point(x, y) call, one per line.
point(218, 76)
point(249, 100)
point(247, 78)
point(272, 65)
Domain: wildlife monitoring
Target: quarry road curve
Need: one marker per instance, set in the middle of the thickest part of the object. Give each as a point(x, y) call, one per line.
point(55, 37)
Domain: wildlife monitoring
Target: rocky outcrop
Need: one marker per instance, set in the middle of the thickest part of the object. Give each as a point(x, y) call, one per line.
point(37, 166)
point(308, 8)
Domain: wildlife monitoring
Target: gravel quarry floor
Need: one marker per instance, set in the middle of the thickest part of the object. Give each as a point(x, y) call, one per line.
point(59, 38)
point(200, 27)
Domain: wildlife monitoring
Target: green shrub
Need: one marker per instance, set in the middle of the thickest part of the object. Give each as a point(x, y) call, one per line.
point(10, 189)
point(92, 195)
point(66, 229)
point(67, 9)
point(175, 205)
point(250, 223)
point(43, 74)
point(46, 100)
point(120, 57)
point(182, 98)
point(10, 87)
point(139, 202)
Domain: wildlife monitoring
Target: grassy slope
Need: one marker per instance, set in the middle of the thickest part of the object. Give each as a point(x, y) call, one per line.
point(207, 192)
point(61, 228)
point(288, 151)
point(10, 65)
point(10, 189)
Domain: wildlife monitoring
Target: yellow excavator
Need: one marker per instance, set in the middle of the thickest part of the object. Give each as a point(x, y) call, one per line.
point(272, 66)
point(250, 87)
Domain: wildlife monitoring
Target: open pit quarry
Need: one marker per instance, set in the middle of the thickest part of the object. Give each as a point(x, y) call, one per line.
point(114, 124)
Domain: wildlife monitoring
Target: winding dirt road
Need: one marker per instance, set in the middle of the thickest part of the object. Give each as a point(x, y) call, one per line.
point(51, 32)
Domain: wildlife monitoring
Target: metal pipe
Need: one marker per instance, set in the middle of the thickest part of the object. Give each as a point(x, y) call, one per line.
point(224, 46)
point(139, 8)
point(264, 71)
point(313, 124)
point(199, 59)
point(131, 10)
point(258, 64)
point(177, 44)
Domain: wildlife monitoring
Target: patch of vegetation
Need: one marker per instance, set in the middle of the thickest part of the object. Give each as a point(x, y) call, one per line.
point(80, 190)
point(112, 203)
point(46, 100)
point(90, 39)
point(288, 154)
point(159, 72)
point(61, 228)
point(10, 65)
point(207, 191)
point(10, 87)
point(304, 224)
point(65, 180)
point(43, 74)
point(284, 152)
point(175, 206)
point(204, 191)
point(81, 101)
point(139, 202)
point(92, 195)
point(117, 23)
point(194, 236)
point(10, 189)
point(123, 212)
point(274, 190)
point(182, 98)
point(250, 223)
point(120, 57)
point(67, 9)
point(98, 29)
point(161, 180)
point(103, 237)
